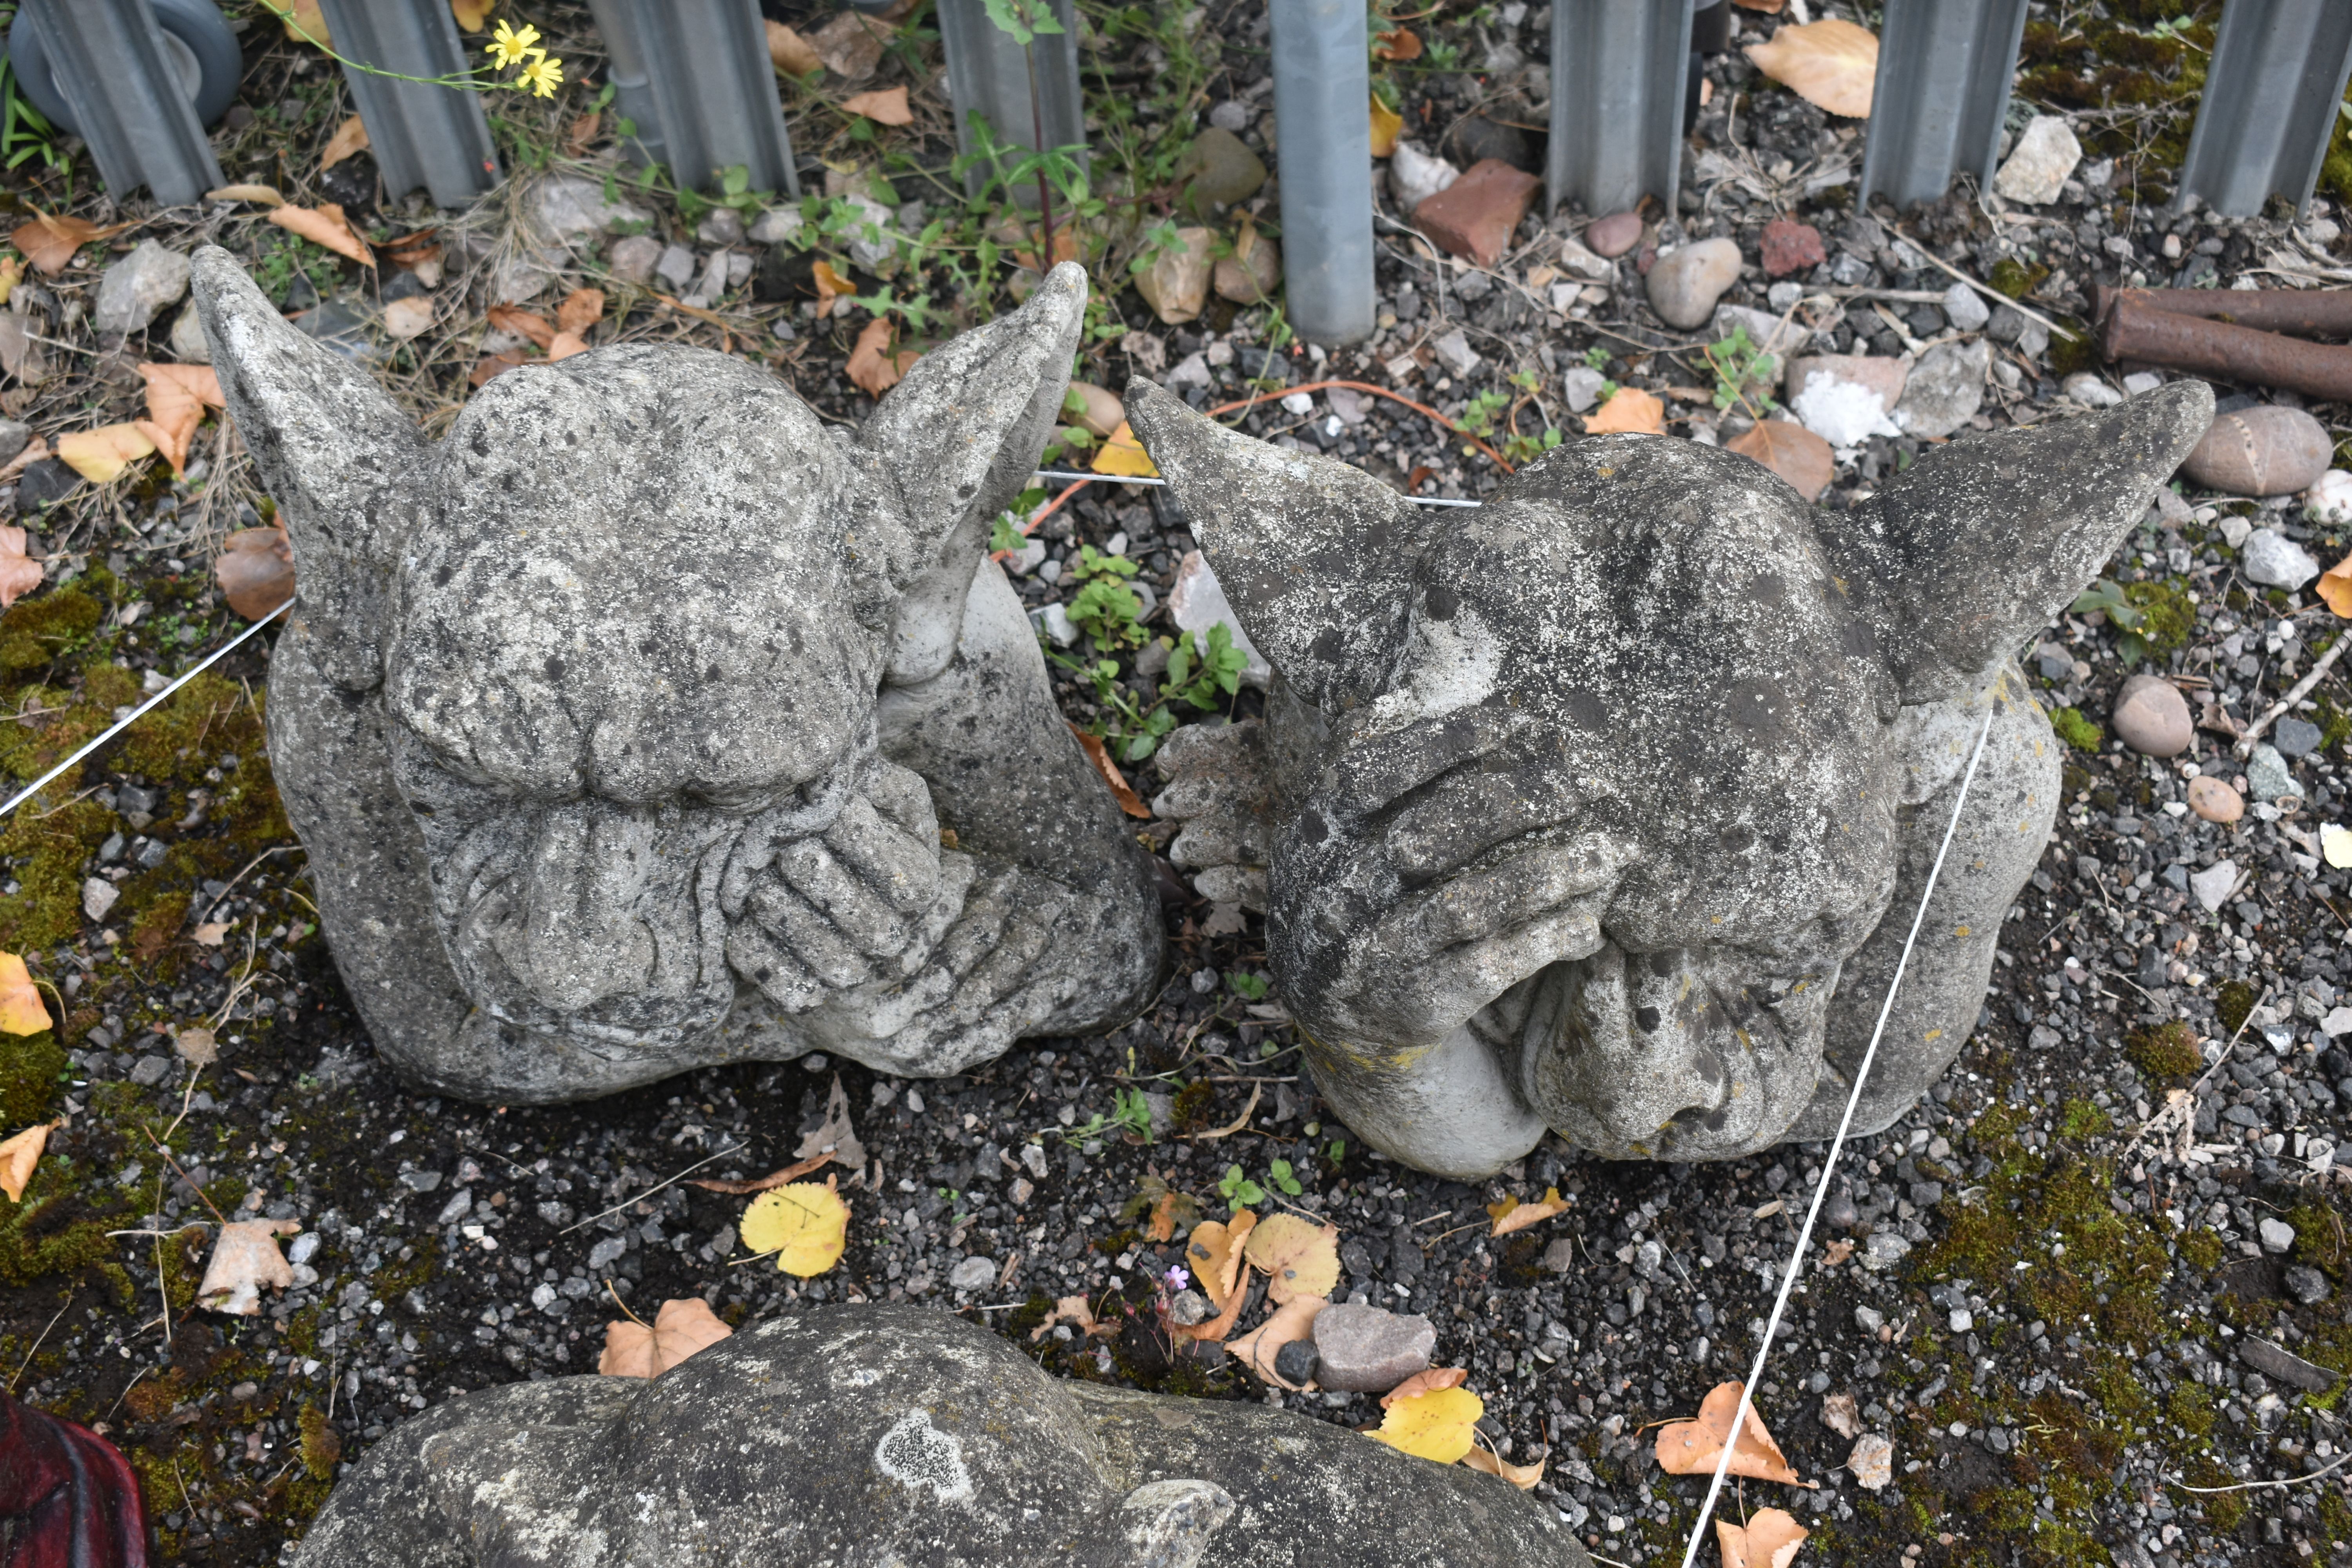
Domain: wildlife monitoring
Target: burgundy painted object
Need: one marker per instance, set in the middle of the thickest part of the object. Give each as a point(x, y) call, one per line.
point(68, 1498)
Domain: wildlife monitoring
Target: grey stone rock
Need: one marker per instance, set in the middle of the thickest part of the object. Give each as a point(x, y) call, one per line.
point(188, 345)
point(1414, 176)
point(2272, 559)
point(892, 1434)
point(775, 225)
point(2267, 775)
point(633, 259)
point(1371, 1350)
point(14, 436)
point(718, 838)
point(2035, 170)
point(1580, 387)
point(1766, 329)
point(2284, 1366)
point(1514, 799)
point(1684, 284)
point(973, 1274)
point(2152, 718)
point(149, 1071)
point(1966, 308)
point(721, 226)
point(2277, 1236)
point(2214, 884)
point(137, 288)
point(675, 267)
point(567, 208)
point(2306, 1285)
point(2296, 737)
point(1944, 389)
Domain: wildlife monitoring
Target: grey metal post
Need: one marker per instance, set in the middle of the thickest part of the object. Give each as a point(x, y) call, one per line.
point(988, 74)
point(1323, 152)
point(709, 101)
point(437, 137)
point(2269, 108)
point(1619, 71)
point(109, 60)
point(1935, 109)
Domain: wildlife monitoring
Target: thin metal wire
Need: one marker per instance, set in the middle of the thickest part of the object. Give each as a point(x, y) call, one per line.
point(1127, 480)
point(1837, 1145)
point(131, 717)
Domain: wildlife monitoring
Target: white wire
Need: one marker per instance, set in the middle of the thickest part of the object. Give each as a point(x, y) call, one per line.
point(1829, 1166)
point(1127, 480)
point(29, 791)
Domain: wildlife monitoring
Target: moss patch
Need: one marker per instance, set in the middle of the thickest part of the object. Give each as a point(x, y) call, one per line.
point(2168, 1051)
point(30, 1065)
point(2075, 729)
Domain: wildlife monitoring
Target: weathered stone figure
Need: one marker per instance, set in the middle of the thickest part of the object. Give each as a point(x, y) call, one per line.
point(644, 723)
point(1607, 807)
point(901, 1437)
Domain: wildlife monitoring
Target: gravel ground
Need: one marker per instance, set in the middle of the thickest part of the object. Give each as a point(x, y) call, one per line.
point(2063, 1318)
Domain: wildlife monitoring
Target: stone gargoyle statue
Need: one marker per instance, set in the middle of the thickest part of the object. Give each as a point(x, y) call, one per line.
point(896, 1436)
point(1607, 807)
point(644, 724)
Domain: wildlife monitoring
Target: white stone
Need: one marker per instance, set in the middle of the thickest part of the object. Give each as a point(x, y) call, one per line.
point(871, 247)
point(1454, 349)
point(136, 290)
point(973, 1274)
point(1766, 329)
point(2045, 156)
point(2272, 559)
point(2088, 390)
point(2338, 1021)
point(1414, 176)
point(188, 343)
point(98, 896)
point(2234, 528)
point(2276, 1234)
point(1198, 602)
point(567, 207)
point(1966, 308)
point(2212, 885)
point(1842, 413)
point(2141, 381)
point(775, 223)
point(1944, 389)
point(675, 267)
point(2329, 502)
point(1580, 387)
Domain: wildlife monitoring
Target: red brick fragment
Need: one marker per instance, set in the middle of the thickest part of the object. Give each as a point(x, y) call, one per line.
point(1788, 246)
point(1477, 213)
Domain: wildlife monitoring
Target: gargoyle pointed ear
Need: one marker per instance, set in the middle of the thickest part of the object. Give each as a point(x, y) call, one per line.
point(1316, 556)
point(962, 435)
point(339, 457)
point(1978, 543)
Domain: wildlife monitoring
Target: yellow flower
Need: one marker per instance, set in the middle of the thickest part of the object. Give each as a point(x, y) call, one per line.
point(508, 48)
point(542, 76)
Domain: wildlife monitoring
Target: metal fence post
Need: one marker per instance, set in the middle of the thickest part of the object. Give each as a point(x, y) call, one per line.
point(108, 60)
point(1942, 88)
point(990, 75)
point(708, 99)
point(1620, 69)
point(2270, 103)
point(437, 137)
point(1323, 153)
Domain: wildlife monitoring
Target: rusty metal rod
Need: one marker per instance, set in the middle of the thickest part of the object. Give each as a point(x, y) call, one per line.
point(2300, 312)
point(2142, 333)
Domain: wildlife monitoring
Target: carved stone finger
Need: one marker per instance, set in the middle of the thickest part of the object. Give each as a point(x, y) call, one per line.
point(810, 936)
point(857, 911)
point(886, 858)
point(781, 978)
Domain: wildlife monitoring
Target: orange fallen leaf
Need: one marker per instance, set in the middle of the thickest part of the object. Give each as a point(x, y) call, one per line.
point(1294, 1319)
point(888, 106)
point(1511, 1214)
point(1691, 1447)
point(1387, 126)
point(1768, 1540)
point(1791, 451)
point(21, 1012)
point(409, 318)
point(1213, 1253)
point(325, 225)
point(100, 455)
point(350, 137)
point(1396, 43)
point(523, 323)
point(2335, 586)
point(49, 241)
point(1121, 790)
point(18, 1155)
point(1420, 1383)
point(1837, 1252)
point(473, 15)
point(1164, 1217)
point(412, 250)
point(1218, 1327)
point(679, 1329)
point(790, 53)
point(1831, 64)
point(1631, 412)
point(871, 365)
point(830, 286)
point(177, 395)
point(1523, 1477)
point(582, 308)
point(563, 345)
point(492, 365)
point(256, 571)
point(1122, 455)
point(19, 574)
point(1074, 1310)
point(1769, 7)
point(266, 195)
point(773, 1178)
point(581, 134)
point(1298, 1257)
point(245, 1259)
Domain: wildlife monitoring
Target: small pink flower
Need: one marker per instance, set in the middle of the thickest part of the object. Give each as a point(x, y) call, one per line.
point(1176, 1278)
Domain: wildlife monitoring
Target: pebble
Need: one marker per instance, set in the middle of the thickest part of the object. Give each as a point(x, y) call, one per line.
point(971, 1274)
point(136, 288)
point(675, 267)
point(1176, 284)
point(1252, 280)
point(1454, 349)
point(720, 225)
point(2152, 718)
point(1476, 214)
point(1371, 1350)
point(14, 436)
point(1871, 1462)
point(1104, 412)
point(2272, 559)
point(2265, 450)
point(2215, 800)
point(1765, 329)
point(2088, 390)
point(1296, 1362)
point(189, 345)
point(2277, 1235)
point(1230, 115)
point(1414, 176)
point(2037, 169)
point(98, 896)
point(2234, 529)
point(1224, 171)
point(568, 206)
point(1196, 603)
point(2306, 1285)
point(1869, 1319)
point(1613, 236)
point(1966, 308)
point(2214, 884)
point(1788, 246)
point(774, 225)
point(633, 259)
point(1944, 389)
point(2267, 775)
point(1686, 284)
point(2329, 500)
point(1845, 399)
point(2295, 737)
point(2272, 1362)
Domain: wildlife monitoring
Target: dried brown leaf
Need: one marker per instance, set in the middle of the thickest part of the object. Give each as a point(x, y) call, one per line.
point(177, 395)
point(492, 365)
point(256, 571)
point(830, 286)
point(1691, 1447)
point(790, 53)
point(409, 318)
point(1294, 1319)
point(1769, 7)
point(1831, 63)
point(784, 1177)
point(1791, 451)
point(1523, 1477)
point(1218, 1327)
point(18, 1155)
point(523, 323)
point(1213, 1253)
point(834, 1135)
point(304, 22)
point(1436, 1378)
point(49, 241)
point(265, 194)
point(1631, 412)
point(324, 225)
point(350, 137)
point(871, 365)
point(1511, 1214)
point(679, 1329)
point(581, 134)
point(1121, 790)
point(850, 45)
point(1298, 1257)
point(888, 106)
point(1768, 1540)
point(19, 574)
point(582, 308)
point(1074, 1311)
point(1398, 44)
point(245, 1259)
point(473, 15)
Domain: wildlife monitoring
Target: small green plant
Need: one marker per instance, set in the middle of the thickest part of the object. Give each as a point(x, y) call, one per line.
point(1006, 535)
point(2149, 617)
point(1337, 1152)
point(1251, 986)
point(2077, 730)
point(25, 132)
point(1130, 1112)
point(1238, 1191)
point(1742, 371)
point(1106, 608)
point(1280, 1174)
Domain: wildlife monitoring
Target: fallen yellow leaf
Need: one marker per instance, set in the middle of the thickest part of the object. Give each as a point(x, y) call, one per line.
point(830, 286)
point(804, 1224)
point(1768, 1540)
point(1523, 1477)
point(790, 53)
point(473, 15)
point(1387, 125)
point(1213, 1253)
point(1691, 1447)
point(1631, 412)
point(888, 106)
point(18, 1155)
point(1511, 1214)
point(325, 225)
point(679, 1329)
point(12, 272)
point(1298, 1257)
point(1294, 1319)
point(265, 194)
point(2336, 587)
point(1435, 1426)
point(1124, 456)
point(350, 137)
point(1832, 64)
point(19, 572)
point(100, 455)
point(245, 1259)
point(21, 1012)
